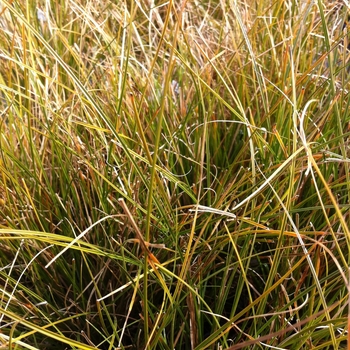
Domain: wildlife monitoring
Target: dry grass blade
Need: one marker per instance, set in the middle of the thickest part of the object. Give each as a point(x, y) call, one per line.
point(144, 245)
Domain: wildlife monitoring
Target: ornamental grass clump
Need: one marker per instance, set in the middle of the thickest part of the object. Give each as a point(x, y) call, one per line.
point(175, 175)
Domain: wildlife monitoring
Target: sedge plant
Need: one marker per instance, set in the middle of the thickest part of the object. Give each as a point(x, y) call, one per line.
point(175, 175)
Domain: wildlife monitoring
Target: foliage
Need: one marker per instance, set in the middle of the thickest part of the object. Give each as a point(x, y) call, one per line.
point(175, 175)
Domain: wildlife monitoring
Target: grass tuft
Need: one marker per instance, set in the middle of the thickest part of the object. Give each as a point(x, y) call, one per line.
point(174, 175)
